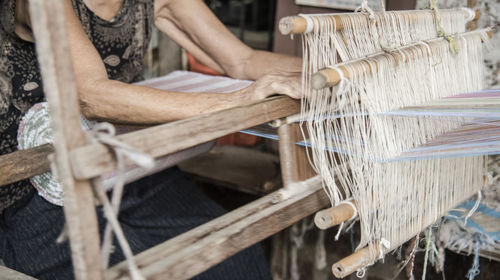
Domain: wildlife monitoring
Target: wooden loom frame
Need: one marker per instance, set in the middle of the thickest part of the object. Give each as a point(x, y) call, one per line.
point(77, 162)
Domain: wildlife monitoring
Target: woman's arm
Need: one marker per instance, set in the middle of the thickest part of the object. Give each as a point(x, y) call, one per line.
point(196, 28)
point(115, 101)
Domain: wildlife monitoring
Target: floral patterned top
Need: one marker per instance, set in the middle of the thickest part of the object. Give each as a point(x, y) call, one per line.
point(122, 43)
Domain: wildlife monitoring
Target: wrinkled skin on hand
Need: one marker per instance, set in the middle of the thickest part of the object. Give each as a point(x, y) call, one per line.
point(275, 83)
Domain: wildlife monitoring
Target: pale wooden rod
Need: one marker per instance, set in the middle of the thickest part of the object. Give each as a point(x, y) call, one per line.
point(299, 24)
point(27, 163)
point(333, 216)
point(49, 28)
point(329, 77)
point(193, 252)
point(95, 159)
point(357, 260)
point(295, 166)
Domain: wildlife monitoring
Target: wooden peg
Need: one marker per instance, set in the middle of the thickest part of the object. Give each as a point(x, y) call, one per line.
point(330, 217)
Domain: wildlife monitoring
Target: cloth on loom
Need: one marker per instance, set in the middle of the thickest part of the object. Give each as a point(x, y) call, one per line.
point(34, 130)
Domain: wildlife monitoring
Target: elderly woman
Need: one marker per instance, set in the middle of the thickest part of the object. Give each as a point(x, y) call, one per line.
point(108, 39)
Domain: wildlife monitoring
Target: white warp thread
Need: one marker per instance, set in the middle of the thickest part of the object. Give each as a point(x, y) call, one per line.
point(351, 152)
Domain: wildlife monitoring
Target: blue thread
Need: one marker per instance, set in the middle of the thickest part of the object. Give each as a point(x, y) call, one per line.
point(474, 270)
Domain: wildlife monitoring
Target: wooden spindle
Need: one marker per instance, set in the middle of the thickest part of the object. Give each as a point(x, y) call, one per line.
point(298, 24)
point(330, 217)
point(329, 77)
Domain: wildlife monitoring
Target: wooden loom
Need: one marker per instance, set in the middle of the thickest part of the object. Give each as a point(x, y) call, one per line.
point(78, 162)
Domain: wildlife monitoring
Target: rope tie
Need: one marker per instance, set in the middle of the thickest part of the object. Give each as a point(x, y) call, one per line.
point(384, 244)
point(310, 23)
point(366, 9)
point(341, 87)
point(360, 273)
point(440, 30)
point(354, 215)
point(105, 134)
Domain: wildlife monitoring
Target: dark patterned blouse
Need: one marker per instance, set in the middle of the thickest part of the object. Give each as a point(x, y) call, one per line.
point(121, 42)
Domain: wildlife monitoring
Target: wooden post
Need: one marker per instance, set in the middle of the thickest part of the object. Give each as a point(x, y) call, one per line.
point(57, 72)
point(330, 217)
point(295, 166)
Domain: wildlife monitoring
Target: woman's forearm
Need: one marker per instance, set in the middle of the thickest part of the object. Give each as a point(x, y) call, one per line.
point(123, 103)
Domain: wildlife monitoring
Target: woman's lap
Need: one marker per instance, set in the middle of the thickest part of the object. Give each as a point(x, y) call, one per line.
point(153, 210)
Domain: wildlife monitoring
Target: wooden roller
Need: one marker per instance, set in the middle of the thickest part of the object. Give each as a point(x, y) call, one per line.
point(330, 217)
point(353, 262)
point(331, 77)
point(298, 24)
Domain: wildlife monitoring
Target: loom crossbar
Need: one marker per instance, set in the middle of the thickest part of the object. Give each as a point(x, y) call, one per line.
point(330, 77)
point(299, 24)
point(24, 164)
point(195, 251)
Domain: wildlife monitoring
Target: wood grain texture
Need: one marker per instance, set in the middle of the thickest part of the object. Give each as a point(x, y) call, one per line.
point(9, 274)
point(49, 26)
point(24, 164)
point(203, 247)
point(95, 159)
point(295, 166)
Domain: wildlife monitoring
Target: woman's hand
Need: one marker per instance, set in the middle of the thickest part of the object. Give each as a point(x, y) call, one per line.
point(274, 83)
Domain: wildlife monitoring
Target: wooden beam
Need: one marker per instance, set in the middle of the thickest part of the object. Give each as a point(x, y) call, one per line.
point(295, 166)
point(9, 274)
point(49, 26)
point(24, 164)
point(95, 159)
point(195, 251)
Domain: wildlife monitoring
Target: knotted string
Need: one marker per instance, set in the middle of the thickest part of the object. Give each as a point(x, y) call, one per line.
point(105, 134)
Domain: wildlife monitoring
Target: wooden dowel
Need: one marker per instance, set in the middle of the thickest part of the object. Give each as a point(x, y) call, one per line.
point(298, 24)
point(330, 217)
point(350, 264)
point(329, 77)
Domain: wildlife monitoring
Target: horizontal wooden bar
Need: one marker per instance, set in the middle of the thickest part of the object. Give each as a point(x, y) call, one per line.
point(95, 159)
point(330, 217)
point(9, 274)
point(353, 262)
point(329, 77)
point(298, 24)
point(195, 251)
point(24, 164)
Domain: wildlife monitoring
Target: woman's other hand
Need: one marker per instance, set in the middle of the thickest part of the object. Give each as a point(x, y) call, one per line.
point(284, 83)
